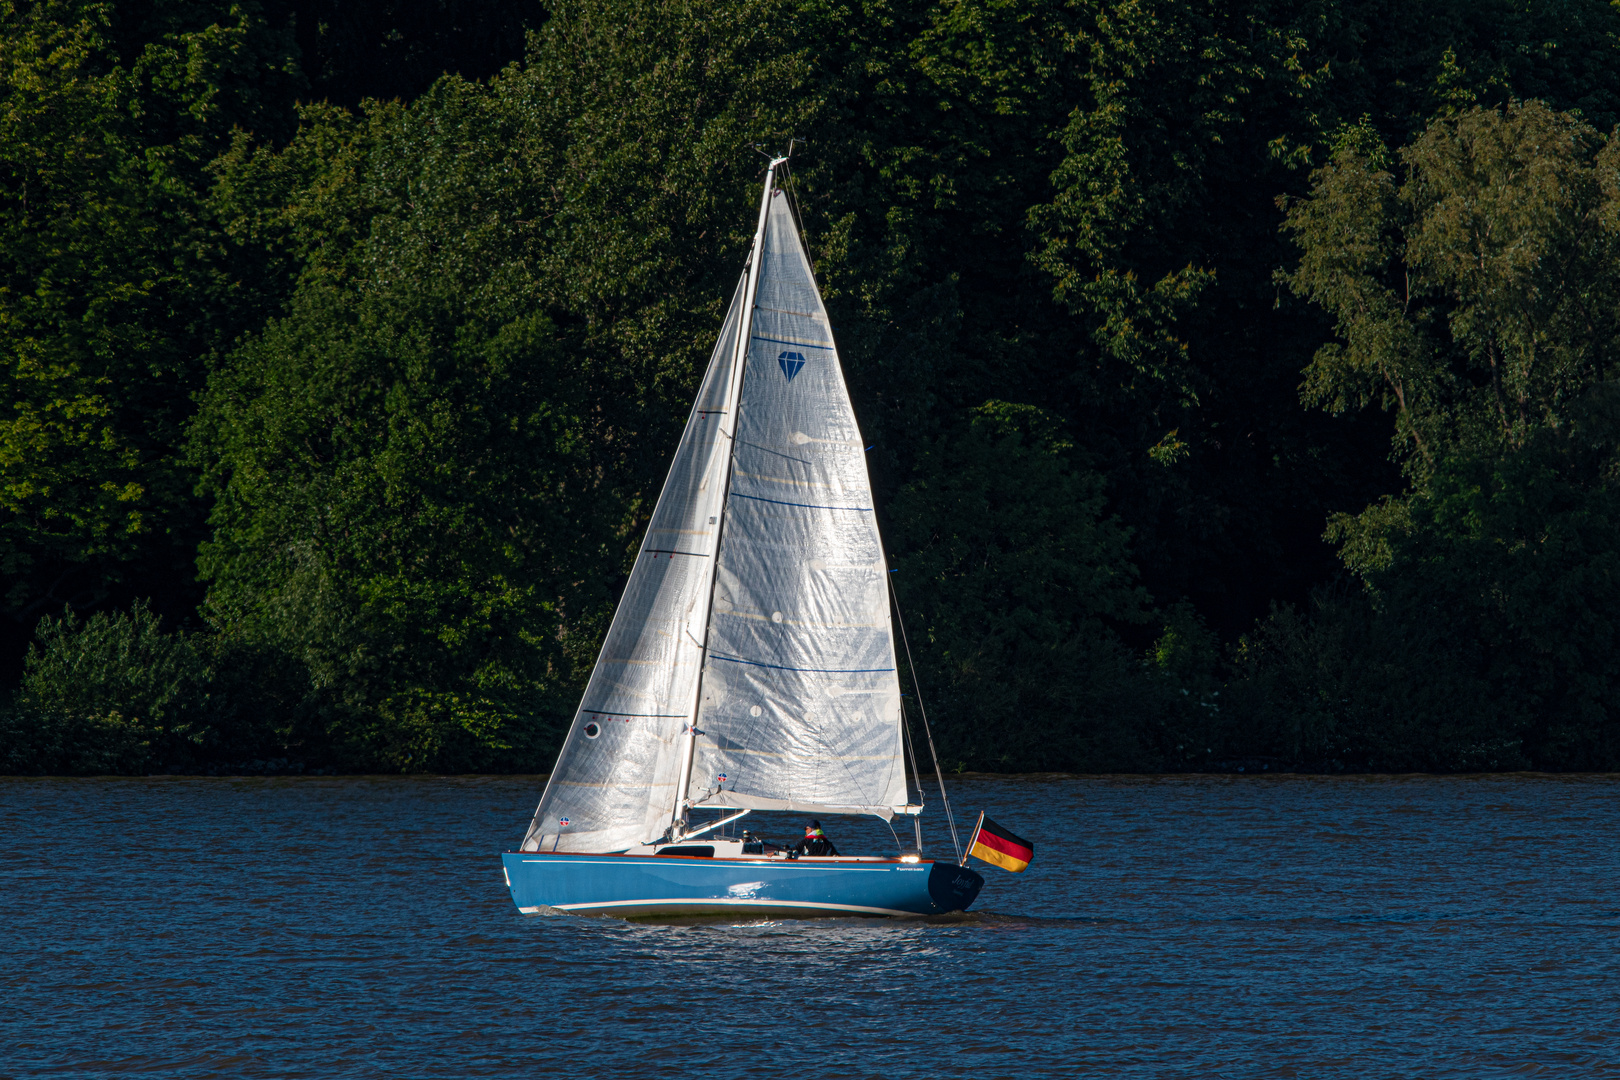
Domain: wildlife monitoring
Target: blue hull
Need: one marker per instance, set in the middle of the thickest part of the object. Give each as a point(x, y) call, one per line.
point(648, 885)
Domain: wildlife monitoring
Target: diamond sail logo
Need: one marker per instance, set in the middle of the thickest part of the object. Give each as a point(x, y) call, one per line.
point(791, 363)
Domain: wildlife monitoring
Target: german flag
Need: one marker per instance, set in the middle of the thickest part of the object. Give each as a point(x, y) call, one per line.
point(996, 845)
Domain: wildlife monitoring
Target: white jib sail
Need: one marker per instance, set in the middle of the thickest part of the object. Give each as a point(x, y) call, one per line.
point(614, 782)
point(800, 706)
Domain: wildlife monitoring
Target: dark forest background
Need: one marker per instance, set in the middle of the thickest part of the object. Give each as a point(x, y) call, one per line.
point(1242, 374)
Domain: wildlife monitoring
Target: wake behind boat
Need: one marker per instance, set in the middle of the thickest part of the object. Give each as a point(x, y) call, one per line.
point(750, 664)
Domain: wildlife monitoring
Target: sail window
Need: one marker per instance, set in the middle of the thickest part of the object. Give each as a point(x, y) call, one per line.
point(592, 730)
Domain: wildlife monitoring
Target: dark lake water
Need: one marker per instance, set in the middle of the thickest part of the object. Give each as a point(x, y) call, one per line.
point(1214, 926)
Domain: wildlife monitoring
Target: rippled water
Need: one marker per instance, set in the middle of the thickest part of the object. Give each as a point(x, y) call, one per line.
point(1187, 926)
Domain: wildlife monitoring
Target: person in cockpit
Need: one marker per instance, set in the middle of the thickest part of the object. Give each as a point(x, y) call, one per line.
point(815, 842)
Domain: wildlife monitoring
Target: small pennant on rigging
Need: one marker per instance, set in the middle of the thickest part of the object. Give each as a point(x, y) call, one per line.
point(791, 363)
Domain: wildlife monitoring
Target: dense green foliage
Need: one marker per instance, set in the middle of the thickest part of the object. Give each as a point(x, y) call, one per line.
point(1137, 300)
point(116, 693)
point(1024, 571)
point(1478, 299)
point(115, 288)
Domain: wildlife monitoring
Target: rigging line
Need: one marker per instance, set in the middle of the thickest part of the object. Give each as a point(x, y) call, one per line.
point(791, 190)
point(778, 453)
point(911, 749)
point(894, 834)
point(796, 344)
point(939, 773)
point(813, 670)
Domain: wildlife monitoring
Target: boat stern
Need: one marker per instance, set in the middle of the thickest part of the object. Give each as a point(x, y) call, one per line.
point(952, 887)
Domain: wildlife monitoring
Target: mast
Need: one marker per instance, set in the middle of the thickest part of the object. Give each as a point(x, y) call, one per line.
point(745, 329)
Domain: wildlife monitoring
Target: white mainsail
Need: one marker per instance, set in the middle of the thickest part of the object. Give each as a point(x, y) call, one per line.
point(801, 701)
point(789, 626)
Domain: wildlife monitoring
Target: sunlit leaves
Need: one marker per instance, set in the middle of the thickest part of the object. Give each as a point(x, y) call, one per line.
point(113, 290)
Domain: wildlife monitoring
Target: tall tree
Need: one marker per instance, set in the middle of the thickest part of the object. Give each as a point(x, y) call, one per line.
point(1159, 236)
point(1476, 300)
point(385, 49)
point(431, 471)
point(114, 286)
point(1473, 281)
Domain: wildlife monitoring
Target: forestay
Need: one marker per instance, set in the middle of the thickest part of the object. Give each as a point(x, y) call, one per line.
point(614, 783)
point(800, 706)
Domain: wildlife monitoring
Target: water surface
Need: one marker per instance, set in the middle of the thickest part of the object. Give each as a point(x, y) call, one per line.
point(1244, 927)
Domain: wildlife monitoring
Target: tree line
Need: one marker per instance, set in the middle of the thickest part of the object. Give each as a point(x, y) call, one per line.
point(1241, 375)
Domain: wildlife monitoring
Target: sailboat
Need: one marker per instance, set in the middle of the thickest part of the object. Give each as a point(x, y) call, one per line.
point(750, 664)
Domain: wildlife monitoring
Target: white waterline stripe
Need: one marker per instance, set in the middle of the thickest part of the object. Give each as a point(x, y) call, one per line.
point(737, 901)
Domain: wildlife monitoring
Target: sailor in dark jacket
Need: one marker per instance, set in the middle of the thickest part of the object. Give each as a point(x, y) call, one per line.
point(815, 842)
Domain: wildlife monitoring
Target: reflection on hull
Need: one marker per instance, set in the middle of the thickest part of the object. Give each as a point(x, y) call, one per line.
point(634, 886)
